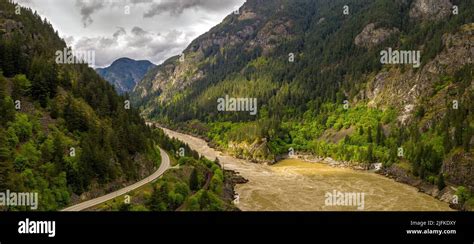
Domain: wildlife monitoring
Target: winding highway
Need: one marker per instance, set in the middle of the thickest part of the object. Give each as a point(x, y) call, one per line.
point(165, 165)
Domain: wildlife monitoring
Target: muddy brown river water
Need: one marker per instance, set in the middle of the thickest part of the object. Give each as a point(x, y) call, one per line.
point(295, 185)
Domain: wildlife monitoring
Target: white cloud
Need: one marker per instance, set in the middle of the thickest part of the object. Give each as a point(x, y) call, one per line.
point(136, 44)
point(104, 26)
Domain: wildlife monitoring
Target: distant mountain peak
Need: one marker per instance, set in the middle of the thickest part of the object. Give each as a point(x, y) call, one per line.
point(124, 73)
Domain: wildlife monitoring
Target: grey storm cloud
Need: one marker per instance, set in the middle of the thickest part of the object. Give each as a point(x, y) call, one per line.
point(173, 7)
point(176, 7)
point(138, 31)
point(119, 32)
point(87, 8)
point(137, 43)
point(103, 27)
point(140, 1)
point(157, 7)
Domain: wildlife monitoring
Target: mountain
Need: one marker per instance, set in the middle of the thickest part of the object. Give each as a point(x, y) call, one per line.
point(64, 131)
point(327, 78)
point(124, 73)
point(67, 135)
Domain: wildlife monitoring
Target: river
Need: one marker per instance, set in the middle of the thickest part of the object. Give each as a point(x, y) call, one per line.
point(295, 185)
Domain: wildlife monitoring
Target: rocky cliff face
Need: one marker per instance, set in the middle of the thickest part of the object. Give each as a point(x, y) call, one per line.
point(251, 29)
point(393, 87)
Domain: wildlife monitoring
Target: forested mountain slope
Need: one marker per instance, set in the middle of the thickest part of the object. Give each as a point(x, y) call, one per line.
point(125, 73)
point(64, 131)
point(315, 68)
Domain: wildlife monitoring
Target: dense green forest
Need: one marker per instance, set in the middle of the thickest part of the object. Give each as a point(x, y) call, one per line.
point(64, 130)
point(301, 104)
point(197, 184)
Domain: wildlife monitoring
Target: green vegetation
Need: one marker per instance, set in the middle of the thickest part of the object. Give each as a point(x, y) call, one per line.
point(330, 68)
point(360, 134)
point(465, 198)
point(301, 104)
point(197, 185)
point(64, 131)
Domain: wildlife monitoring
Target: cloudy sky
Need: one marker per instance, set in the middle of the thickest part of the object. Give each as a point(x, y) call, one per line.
point(138, 29)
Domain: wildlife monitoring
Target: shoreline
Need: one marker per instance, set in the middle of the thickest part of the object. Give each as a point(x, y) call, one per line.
point(393, 172)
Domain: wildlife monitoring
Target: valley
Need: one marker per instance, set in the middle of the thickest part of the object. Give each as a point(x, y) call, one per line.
point(389, 83)
point(295, 185)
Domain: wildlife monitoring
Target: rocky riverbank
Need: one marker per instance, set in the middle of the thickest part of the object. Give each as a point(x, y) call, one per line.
point(394, 172)
point(231, 179)
point(447, 194)
point(296, 185)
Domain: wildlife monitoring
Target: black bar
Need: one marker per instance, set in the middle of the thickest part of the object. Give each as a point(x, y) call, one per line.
point(240, 226)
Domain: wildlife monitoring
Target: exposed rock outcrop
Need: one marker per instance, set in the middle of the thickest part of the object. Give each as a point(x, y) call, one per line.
point(430, 9)
point(459, 169)
point(401, 89)
point(372, 36)
point(258, 151)
point(271, 34)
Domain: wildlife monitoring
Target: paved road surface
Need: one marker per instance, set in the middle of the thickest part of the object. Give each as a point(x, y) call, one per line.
point(165, 165)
